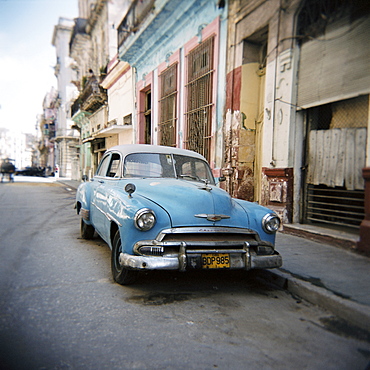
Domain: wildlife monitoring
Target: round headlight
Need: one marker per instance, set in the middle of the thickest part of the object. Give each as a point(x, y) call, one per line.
point(144, 219)
point(271, 223)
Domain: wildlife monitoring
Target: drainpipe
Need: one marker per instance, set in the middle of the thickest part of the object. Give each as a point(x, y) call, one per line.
point(273, 159)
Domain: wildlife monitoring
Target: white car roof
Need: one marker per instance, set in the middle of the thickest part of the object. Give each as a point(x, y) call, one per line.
point(144, 148)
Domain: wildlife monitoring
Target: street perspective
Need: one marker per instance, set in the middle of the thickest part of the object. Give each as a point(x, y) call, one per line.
point(185, 184)
point(61, 308)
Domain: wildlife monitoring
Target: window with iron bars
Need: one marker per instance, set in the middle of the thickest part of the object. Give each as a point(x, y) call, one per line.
point(168, 107)
point(148, 117)
point(199, 98)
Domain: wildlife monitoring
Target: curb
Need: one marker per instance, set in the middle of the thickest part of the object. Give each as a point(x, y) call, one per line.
point(338, 240)
point(350, 311)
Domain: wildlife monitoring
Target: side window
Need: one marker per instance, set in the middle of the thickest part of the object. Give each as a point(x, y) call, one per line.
point(115, 165)
point(103, 166)
point(143, 165)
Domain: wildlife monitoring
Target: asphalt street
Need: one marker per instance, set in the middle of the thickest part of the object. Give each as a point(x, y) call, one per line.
point(60, 308)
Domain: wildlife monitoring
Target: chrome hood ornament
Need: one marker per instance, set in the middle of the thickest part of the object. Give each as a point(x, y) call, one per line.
point(212, 217)
point(205, 186)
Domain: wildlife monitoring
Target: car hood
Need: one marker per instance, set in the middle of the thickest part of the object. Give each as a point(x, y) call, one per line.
point(191, 203)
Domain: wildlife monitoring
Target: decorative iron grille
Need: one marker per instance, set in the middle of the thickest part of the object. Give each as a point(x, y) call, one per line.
point(335, 206)
point(199, 98)
point(168, 106)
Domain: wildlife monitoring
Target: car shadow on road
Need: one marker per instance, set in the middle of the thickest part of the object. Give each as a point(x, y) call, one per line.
point(164, 287)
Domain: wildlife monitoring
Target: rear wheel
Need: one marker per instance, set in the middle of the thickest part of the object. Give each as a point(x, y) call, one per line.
point(87, 231)
point(120, 274)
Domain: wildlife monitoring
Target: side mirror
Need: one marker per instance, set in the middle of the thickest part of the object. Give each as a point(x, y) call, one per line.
point(130, 188)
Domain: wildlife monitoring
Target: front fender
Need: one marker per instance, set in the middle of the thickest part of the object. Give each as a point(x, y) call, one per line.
point(256, 213)
point(122, 210)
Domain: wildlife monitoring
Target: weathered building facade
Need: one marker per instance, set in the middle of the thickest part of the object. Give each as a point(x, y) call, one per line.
point(297, 108)
point(103, 109)
point(275, 94)
point(177, 50)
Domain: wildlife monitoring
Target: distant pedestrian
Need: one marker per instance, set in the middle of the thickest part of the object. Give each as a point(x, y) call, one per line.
point(7, 168)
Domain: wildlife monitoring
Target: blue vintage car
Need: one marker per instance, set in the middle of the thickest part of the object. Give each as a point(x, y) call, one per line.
point(158, 208)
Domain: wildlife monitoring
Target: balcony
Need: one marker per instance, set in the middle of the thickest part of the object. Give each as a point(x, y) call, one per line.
point(92, 97)
point(75, 107)
point(79, 32)
point(135, 15)
point(66, 133)
point(49, 130)
point(149, 25)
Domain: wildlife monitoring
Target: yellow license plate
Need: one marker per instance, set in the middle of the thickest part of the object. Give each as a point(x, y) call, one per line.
point(215, 261)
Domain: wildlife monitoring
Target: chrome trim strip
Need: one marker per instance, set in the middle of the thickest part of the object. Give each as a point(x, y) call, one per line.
point(111, 218)
point(207, 251)
point(107, 215)
point(205, 230)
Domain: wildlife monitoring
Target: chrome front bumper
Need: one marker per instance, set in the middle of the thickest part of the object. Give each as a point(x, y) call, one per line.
point(246, 260)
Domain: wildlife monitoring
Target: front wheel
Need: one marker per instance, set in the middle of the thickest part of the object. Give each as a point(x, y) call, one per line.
point(120, 274)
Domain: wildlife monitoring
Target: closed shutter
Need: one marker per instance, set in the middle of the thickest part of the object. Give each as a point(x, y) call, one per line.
point(335, 66)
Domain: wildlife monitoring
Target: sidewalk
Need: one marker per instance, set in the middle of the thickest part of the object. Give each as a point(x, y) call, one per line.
point(68, 182)
point(331, 277)
point(334, 278)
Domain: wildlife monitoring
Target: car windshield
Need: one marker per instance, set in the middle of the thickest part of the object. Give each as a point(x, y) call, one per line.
point(167, 166)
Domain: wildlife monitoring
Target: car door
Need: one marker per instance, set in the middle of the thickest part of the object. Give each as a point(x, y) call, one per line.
point(109, 172)
point(97, 195)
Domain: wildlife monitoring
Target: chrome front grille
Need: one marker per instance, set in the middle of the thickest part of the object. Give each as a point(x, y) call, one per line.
point(199, 240)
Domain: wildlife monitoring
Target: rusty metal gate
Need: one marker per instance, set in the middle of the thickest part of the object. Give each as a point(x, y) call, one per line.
point(336, 149)
point(199, 98)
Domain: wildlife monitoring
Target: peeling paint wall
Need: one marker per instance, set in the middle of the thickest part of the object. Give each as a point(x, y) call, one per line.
point(239, 157)
point(260, 121)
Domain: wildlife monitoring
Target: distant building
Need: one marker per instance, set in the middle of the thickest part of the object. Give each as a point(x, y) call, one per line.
point(103, 80)
point(20, 148)
point(66, 137)
point(47, 125)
